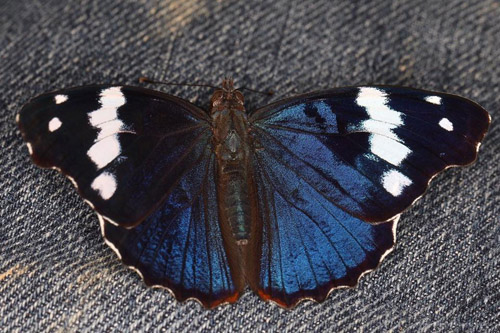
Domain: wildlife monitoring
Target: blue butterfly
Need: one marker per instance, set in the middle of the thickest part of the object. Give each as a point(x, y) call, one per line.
point(294, 199)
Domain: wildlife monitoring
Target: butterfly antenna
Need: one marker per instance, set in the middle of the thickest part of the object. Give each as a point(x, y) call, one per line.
point(148, 80)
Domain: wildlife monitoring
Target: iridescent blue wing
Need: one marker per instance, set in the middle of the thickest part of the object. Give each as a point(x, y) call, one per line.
point(135, 155)
point(181, 246)
point(326, 163)
point(310, 246)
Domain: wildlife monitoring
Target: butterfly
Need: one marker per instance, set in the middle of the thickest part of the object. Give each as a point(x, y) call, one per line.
point(293, 200)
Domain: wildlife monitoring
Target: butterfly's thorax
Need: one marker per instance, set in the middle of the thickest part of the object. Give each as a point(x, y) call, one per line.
point(232, 149)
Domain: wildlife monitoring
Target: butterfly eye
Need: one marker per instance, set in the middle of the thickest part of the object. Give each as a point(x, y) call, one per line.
point(239, 97)
point(217, 98)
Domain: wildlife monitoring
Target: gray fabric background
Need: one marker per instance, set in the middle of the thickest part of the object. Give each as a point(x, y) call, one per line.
point(56, 273)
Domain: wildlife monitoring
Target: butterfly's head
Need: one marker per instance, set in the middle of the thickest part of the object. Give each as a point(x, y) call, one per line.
point(227, 97)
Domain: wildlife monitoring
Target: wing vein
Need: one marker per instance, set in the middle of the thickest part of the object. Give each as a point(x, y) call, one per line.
point(278, 237)
point(307, 215)
point(319, 172)
point(179, 211)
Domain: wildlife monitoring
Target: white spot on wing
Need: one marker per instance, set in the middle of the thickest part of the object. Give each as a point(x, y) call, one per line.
point(394, 182)
point(434, 99)
point(54, 124)
point(110, 99)
point(104, 151)
point(446, 124)
point(110, 128)
point(379, 127)
point(60, 99)
point(384, 142)
point(102, 115)
point(107, 145)
point(375, 102)
point(388, 149)
point(105, 184)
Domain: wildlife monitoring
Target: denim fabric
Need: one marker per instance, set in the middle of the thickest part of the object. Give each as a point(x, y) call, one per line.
point(56, 273)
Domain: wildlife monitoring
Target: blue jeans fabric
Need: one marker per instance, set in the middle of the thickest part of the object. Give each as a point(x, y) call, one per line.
point(56, 273)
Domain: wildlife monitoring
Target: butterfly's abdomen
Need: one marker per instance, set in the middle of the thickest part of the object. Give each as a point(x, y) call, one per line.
point(233, 173)
point(235, 201)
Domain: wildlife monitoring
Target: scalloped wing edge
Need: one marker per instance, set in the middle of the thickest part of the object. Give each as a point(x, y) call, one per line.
point(323, 297)
point(173, 292)
point(234, 299)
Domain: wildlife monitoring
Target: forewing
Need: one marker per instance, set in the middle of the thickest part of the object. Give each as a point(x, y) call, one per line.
point(180, 246)
point(326, 163)
point(124, 148)
point(371, 150)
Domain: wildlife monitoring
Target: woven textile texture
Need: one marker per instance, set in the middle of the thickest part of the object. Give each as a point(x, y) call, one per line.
point(56, 273)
